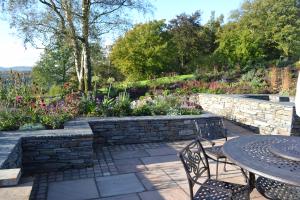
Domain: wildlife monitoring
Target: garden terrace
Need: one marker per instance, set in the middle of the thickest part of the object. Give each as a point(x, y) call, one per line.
point(127, 171)
point(45, 151)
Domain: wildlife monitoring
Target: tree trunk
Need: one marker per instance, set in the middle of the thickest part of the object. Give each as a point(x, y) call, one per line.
point(86, 65)
point(77, 52)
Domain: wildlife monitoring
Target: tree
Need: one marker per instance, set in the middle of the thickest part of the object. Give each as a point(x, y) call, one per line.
point(102, 67)
point(240, 46)
point(206, 59)
point(261, 31)
point(144, 51)
point(54, 67)
point(277, 21)
point(76, 21)
point(185, 31)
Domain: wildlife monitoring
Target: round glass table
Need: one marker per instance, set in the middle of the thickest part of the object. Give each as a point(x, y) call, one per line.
point(270, 156)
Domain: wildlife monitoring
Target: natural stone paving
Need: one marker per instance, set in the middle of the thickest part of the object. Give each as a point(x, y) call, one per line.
point(73, 190)
point(150, 171)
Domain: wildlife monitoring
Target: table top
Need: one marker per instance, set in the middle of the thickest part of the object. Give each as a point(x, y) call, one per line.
point(289, 149)
point(253, 153)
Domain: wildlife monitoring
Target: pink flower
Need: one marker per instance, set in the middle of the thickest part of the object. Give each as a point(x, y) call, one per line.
point(42, 104)
point(19, 99)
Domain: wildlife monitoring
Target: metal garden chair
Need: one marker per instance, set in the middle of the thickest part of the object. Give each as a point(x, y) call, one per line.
point(195, 162)
point(209, 131)
point(276, 190)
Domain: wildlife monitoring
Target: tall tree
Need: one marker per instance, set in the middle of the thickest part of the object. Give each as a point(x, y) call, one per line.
point(144, 52)
point(54, 67)
point(185, 33)
point(78, 22)
point(261, 31)
point(277, 21)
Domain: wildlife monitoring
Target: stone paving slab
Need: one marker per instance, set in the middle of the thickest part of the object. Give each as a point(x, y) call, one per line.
point(156, 179)
point(123, 197)
point(19, 192)
point(162, 151)
point(129, 165)
point(176, 174)
point(73, 190)
point(119, 184)
point(129, 154)
point(165, 194)
point(161, 162)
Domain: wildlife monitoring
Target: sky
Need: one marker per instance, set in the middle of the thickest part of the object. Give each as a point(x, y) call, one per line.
point(13, 52)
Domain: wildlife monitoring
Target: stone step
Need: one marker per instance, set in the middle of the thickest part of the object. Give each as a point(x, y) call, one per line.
point(9, 177)
point(18, 192)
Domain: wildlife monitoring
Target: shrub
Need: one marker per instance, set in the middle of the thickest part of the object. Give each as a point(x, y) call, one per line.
point(10, 120)
point(56, 90)
point(87, 106)
point(190, 111)
point(54, 120)
point(122, 105)
point(143, 110)
point(209, 76)
point(106, 108)
point(165, 105)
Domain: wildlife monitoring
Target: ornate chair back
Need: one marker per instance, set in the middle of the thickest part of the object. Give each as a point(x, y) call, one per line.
point(211, 129)
point(195, 163)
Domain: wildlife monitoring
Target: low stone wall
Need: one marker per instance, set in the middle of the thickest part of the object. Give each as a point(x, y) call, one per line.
point(44, 154)
point(264, 117)
point(130, 130)
point(72, 147)
point(47, 150)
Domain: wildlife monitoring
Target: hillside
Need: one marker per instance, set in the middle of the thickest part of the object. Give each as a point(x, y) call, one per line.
point(16, 68)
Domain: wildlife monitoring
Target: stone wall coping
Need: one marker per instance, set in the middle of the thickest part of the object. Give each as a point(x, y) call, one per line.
point(79, 121)
point(246, 97)
point(7, 144)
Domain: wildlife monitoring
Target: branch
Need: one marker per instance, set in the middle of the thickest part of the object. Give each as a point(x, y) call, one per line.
point(55, 9)
point(121, 4)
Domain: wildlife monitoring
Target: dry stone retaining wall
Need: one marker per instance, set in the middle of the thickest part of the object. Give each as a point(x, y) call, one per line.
point(263, 116)
point(47, 150)
point(42, 154)
point(72, 147)
point(130, 130)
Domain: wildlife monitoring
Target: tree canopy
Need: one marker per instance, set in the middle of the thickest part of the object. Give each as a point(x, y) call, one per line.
point(77, 22)
point(144, 51)
point(54, 67)
point(261, 31)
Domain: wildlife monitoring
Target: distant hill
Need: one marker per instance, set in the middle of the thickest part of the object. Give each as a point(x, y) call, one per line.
point(16, 68)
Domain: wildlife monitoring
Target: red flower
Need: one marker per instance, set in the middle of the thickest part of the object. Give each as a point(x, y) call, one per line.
point(19, 99)
point(42, 104)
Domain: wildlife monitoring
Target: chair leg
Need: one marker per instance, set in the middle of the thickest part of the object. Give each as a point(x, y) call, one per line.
point(217, 168)
point(225, 164)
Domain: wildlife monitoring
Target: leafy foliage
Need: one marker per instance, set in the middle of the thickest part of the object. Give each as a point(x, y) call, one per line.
point(55, 66)
point(10, 121)
point(144, 52)
point(261, 31)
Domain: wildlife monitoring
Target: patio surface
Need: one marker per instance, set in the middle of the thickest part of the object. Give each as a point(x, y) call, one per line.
point(149, 171)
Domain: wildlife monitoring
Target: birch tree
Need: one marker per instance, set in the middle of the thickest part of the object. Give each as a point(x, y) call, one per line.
point(76, 22)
